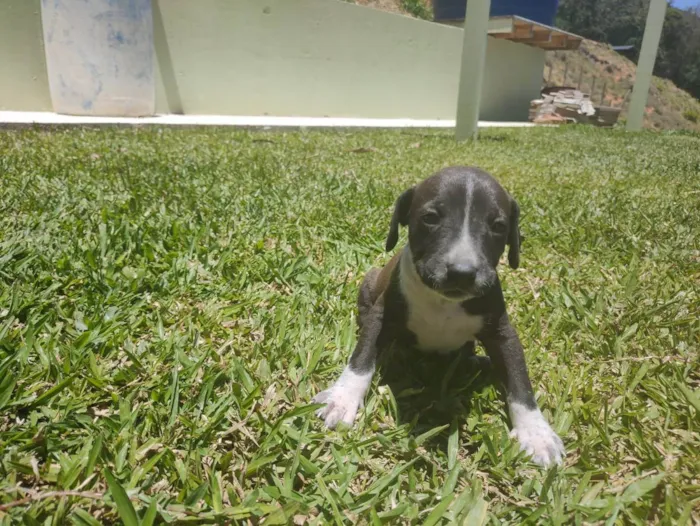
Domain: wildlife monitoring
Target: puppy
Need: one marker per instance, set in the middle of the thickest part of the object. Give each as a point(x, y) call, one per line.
point(441, 292)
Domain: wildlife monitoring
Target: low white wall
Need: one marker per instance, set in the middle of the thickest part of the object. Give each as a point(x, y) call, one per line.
point(327, 58)
point(512, 79)
point(309, 58)
point(24, 84)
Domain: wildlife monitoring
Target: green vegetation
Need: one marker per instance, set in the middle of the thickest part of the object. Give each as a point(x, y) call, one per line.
point(170, 301)
point(417, 8)
point(608, 75)
point(621, 22)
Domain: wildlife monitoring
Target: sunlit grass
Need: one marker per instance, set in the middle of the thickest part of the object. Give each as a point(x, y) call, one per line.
point(171, 300)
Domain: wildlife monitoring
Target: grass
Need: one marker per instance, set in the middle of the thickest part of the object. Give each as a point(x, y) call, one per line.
point(170, 301)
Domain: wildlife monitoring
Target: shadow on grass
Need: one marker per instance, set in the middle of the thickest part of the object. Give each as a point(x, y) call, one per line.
point(432, 390)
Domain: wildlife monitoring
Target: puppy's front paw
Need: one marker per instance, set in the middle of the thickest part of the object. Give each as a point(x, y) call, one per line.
point(538, 439)
point(343, 398)
point(341, 406)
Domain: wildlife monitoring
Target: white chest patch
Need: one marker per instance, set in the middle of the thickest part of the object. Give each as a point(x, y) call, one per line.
point(439, 324)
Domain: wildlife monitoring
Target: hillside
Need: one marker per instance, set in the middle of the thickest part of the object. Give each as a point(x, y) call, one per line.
point(668, 107)
point(622, 23)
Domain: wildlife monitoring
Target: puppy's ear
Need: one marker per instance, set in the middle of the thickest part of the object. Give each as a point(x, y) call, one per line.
point(514, 237)
point(400, 216)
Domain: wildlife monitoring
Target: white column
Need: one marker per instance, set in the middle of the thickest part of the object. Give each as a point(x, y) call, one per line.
point(645, 64)
point(471, 77)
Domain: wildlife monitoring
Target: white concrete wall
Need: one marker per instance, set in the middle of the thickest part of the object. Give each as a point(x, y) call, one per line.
point(309, 58)
point(24, 84)
point(513, 77)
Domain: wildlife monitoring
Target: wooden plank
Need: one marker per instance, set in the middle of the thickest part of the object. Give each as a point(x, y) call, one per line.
point(539, 37)
point(522, 31)
point(557, 41)
point(500, 25)
point(572, 45)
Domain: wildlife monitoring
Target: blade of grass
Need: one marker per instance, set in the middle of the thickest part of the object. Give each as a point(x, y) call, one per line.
point(121, 499)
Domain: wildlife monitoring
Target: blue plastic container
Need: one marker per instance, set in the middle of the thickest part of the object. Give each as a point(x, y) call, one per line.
point(541, 11)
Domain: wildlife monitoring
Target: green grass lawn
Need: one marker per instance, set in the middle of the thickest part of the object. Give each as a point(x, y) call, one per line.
point(171, 300)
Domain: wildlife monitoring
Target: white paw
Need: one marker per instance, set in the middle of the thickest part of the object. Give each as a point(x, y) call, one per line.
point(536, 437)
point(343, 398)
point(340, 407)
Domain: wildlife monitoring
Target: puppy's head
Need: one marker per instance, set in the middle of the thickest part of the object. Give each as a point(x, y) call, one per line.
point(459, 222)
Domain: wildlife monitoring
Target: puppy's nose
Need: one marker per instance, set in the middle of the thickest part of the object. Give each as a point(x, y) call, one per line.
point(462, 275)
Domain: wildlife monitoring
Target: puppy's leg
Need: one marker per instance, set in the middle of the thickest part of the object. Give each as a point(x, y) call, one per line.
point(474, 360)
point(365, 299)
point(346, 395)
point(535, 435)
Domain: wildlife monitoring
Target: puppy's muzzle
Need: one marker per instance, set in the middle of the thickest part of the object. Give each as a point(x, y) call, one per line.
point(461, 277)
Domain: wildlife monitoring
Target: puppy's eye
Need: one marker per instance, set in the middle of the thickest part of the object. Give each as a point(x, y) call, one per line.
point(431, 218)
point(499, 227)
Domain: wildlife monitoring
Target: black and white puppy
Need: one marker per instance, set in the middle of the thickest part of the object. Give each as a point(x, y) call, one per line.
point(441, 293)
